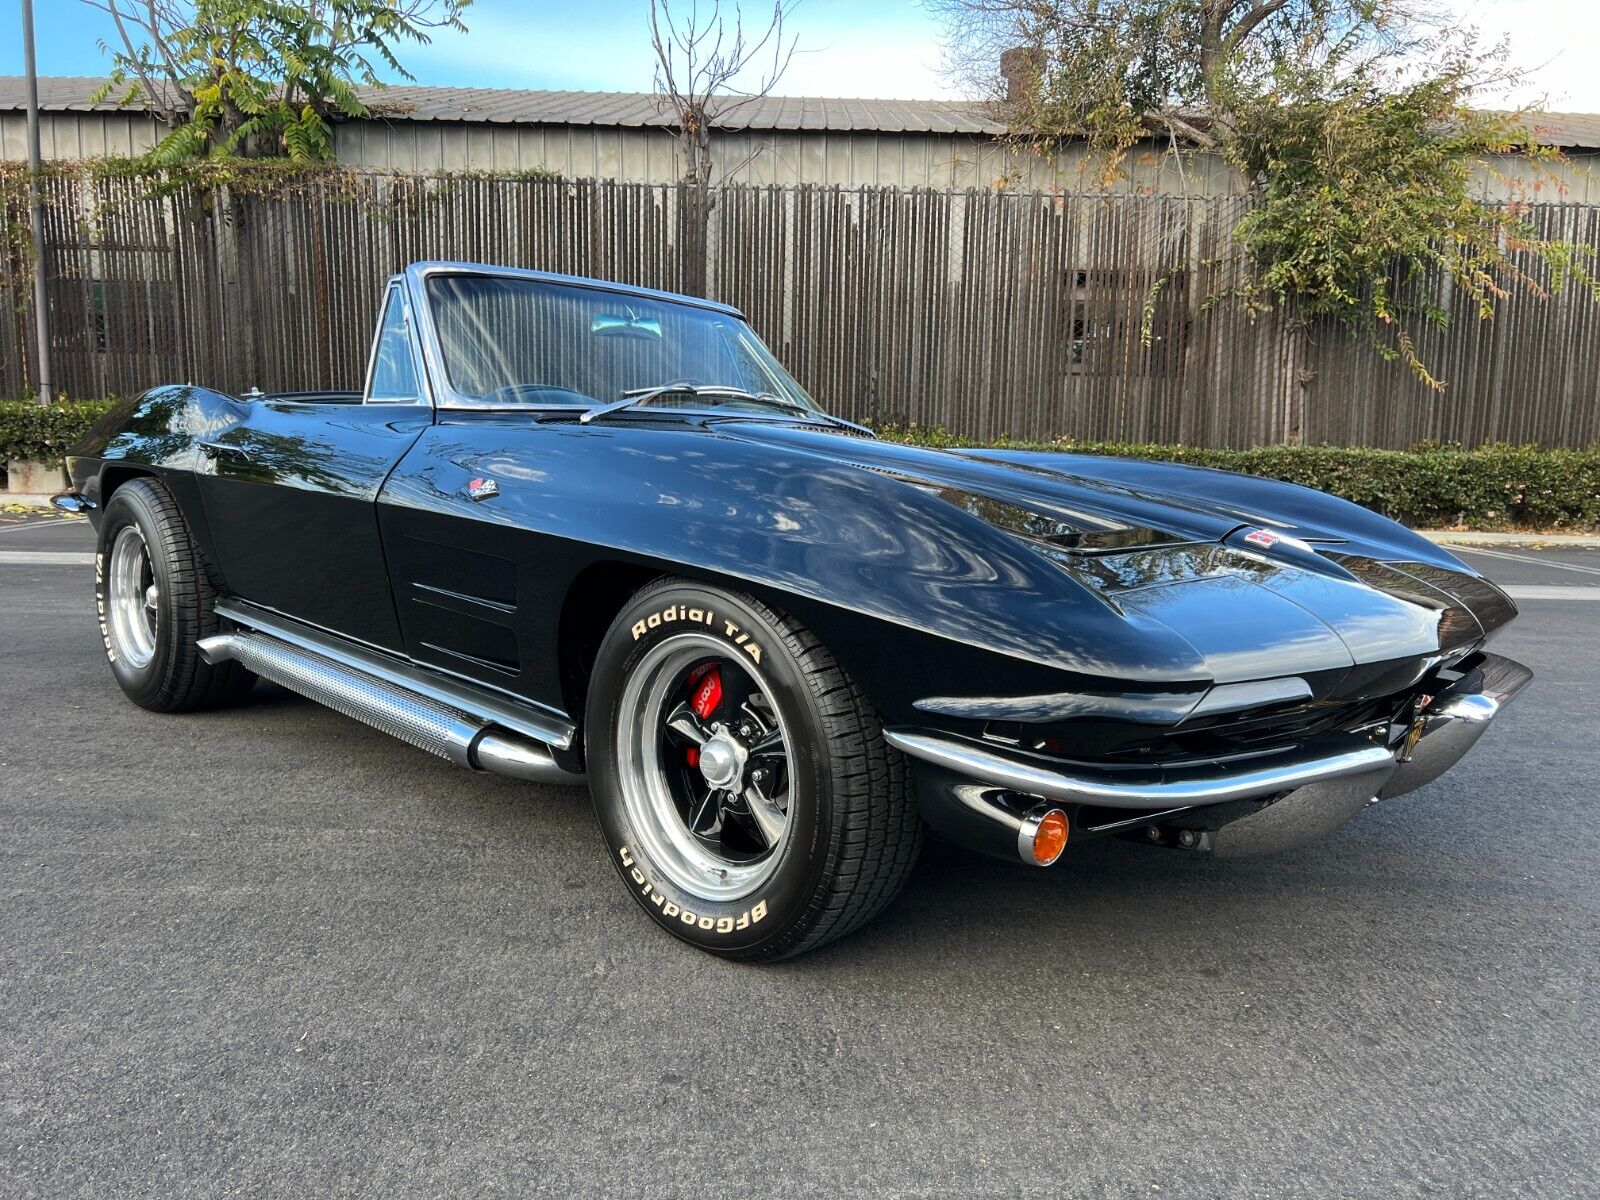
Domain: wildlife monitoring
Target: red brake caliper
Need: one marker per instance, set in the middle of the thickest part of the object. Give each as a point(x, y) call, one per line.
point(707, 684)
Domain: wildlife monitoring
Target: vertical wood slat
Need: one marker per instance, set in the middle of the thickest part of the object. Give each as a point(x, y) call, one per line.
point(986, 311)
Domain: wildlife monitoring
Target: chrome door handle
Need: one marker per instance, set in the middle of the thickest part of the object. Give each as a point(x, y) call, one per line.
point(217, 451)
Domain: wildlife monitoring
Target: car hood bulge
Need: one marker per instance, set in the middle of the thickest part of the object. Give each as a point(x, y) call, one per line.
point(1176, 557)
point(1112, 515)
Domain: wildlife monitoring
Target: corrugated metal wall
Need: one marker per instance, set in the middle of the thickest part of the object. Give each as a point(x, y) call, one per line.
point(907, 160)
point(645, 155)
point(73, 136)
point(987, 312)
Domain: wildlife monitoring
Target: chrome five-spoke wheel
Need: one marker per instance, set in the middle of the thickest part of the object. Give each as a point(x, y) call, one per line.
point(133, 598)
point(742, 782)
point(703, 763)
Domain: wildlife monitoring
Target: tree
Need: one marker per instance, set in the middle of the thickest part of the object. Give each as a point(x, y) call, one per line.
point(259, 78)
point(1355, 124)
point(699, 57)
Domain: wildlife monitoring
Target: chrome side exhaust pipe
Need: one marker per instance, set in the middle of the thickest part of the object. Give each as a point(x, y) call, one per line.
point(503, 753)
point(421, 721)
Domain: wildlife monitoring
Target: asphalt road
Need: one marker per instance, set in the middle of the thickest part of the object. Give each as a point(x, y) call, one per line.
point(271, 952)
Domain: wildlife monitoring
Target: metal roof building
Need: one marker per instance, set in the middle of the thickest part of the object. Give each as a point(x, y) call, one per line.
point(625, 135)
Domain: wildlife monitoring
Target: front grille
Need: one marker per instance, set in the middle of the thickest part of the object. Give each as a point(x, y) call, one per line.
point(1259, 730)
point(1222, 736)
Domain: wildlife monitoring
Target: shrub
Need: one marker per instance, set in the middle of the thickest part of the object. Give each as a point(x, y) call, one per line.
point(1430, 486)
point(44, 433)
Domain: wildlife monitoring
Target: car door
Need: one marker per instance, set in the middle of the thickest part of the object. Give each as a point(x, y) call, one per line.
point(290, 491)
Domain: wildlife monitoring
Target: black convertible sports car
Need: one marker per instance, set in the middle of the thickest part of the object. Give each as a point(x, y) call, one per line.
point(574, 527)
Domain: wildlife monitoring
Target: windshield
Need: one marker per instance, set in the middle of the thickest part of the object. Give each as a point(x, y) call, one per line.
point(510, 341)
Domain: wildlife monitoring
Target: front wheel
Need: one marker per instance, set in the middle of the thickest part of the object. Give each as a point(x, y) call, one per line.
point(742, 783)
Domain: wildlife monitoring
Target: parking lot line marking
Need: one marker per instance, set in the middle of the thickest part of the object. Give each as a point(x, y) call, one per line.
point(1529, 558)
point(58, 558)
point(1553, 591)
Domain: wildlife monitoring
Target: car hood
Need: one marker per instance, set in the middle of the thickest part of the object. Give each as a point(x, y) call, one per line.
point(1330, 586)
point(1101, 507)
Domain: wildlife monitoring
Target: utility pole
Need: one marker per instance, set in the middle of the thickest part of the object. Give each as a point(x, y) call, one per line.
point(41, 304)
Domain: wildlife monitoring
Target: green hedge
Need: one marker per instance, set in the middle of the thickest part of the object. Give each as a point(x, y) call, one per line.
point(1428, 487)
point(44, 433)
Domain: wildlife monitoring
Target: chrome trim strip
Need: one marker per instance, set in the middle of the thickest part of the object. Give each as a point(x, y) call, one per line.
point(424, 268)
point(521, 717)
point(1143, 708)
point(1255, 693)
point(466, 599)
point(1188, 789)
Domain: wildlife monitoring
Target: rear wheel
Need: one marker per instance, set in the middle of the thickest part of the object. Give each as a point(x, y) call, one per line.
point(749, 799)
point(155, 602)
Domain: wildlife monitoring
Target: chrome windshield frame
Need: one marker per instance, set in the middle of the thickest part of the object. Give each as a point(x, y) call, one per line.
point(447, 399)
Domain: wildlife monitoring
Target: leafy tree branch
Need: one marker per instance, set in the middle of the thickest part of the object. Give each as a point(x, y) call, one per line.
point(259, 78)
point(1357, 125)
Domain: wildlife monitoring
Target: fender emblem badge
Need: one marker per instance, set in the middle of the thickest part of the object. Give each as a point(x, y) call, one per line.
point(1261, 537)
point(482, 489)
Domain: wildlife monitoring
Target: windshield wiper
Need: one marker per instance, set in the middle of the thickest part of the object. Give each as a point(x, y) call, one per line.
point(637, 396)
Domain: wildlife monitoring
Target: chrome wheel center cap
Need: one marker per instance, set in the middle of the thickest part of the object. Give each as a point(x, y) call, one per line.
point(721, 760)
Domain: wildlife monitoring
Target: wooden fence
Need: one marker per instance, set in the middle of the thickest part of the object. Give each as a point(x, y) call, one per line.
point(988, 312)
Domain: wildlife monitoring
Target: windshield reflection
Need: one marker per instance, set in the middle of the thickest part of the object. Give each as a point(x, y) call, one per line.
point(508, 341)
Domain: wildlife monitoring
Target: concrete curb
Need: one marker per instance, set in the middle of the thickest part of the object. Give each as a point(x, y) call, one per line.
point(1575, 541)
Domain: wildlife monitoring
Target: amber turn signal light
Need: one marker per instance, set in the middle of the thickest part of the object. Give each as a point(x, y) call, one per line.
point(1046, 834)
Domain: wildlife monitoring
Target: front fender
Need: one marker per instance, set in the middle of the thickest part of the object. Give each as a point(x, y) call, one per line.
point(909, 591)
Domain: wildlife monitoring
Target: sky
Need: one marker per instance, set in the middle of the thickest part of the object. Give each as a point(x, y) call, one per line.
point(868, 48)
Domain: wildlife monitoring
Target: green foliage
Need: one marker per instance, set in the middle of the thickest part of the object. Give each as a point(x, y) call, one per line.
point(1367, 210)
point(1357, 124)
point(1430, 486)
point(44, 433)
point(261, 78)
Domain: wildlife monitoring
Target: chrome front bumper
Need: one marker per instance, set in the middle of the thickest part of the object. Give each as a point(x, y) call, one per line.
point(981, 795)
point(1452, 723)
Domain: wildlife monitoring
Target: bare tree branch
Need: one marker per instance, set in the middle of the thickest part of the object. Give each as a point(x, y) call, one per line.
point(701, 56)
point(155, 26)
